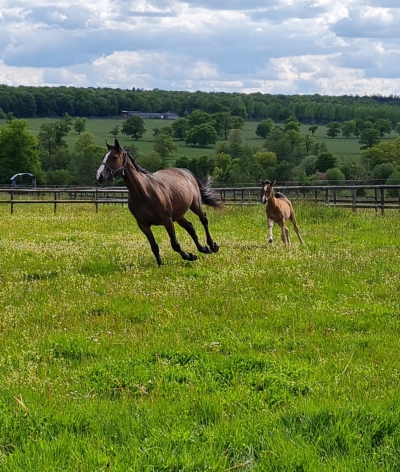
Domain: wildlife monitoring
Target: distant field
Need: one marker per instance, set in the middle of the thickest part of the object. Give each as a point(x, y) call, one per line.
point(257, 358)
point(341, 147)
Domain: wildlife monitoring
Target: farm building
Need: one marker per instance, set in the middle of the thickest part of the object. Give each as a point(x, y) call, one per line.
point(148, 115)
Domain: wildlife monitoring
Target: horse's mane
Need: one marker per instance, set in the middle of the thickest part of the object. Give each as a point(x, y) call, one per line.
point(137, 166)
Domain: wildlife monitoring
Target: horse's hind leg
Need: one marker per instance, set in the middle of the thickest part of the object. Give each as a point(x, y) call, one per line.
point(187, 225)
point(204, 221)
point(187, 256)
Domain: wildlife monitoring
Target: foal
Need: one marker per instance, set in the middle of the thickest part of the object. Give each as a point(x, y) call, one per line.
point(278, 211)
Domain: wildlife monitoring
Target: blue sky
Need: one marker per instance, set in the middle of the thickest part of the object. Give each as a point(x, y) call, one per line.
point(267, 46)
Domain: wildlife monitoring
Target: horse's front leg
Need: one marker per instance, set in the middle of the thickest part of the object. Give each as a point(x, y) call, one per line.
point(154, 246)
point(187, 256)
point(187, 225)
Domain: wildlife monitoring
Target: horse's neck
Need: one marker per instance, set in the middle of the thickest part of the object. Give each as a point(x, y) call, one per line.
point(135, 180)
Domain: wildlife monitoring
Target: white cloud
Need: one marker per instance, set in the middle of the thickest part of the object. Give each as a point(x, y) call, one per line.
point(272, 46)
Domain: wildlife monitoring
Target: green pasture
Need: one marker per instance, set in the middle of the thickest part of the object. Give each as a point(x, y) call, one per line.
point(257, 358)
point(341, 147)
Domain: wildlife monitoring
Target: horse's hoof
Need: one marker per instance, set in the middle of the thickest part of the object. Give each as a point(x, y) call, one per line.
point(270, 241)
point(191, 257)
point(206, 250)
point(214, 247)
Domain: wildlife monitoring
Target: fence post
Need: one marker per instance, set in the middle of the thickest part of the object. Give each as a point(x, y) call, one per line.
point(55, 202)
point(11, 202)
point(382, 201)
point(354, 198)
point(96, 203)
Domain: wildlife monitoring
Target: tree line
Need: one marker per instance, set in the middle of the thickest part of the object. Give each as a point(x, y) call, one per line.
point(284, 153)
point(31, 102)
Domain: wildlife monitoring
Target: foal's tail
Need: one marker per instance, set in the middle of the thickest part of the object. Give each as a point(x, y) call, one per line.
point(208, 196)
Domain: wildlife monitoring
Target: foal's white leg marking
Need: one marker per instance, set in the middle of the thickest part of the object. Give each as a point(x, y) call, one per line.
point(101, 168)
point(270, 226)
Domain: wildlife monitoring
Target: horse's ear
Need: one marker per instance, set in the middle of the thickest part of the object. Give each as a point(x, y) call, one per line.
point(262, 182)
point(108, 145)
point(273, 183)
point(117, 145)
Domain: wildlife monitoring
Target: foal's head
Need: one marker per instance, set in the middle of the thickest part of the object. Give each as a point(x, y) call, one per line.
point(114, 163)
point(267, 189)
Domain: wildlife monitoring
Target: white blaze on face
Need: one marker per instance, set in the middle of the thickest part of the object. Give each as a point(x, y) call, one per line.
point(101, 168)
point(264, 198)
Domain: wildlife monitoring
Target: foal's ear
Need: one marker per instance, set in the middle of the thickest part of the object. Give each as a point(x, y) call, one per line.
point(273, 183)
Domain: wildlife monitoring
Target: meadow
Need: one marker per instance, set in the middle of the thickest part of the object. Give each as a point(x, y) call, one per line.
point(343, 148)
point(257, 358)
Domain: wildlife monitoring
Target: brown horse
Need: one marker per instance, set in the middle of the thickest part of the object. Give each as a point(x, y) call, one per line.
point(278, 211)
point(161, 198)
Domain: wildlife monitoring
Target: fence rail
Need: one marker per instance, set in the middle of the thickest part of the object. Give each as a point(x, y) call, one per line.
point(378, 197)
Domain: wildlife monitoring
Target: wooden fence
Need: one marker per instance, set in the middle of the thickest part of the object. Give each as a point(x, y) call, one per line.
point(378, 197)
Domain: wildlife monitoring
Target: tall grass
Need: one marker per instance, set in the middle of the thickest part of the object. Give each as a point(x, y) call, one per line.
point(254, 358)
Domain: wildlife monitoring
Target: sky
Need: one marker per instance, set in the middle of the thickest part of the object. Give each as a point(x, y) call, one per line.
point(346, 47)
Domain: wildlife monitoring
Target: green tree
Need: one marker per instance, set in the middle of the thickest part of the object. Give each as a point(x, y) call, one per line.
point(152, 162)
point(383, 126)
point(163, 145)
point(333, 129)
point(348, 128)
point(87, 163)
point(80, 125)
point(313, 129)
point(133, 127)
point(369, 137)
point(398, 128)
point(85, 140)
point(308, 142)
point(292, 125)
point(264, 128)
point(115, 131)
point(199, 118)
point(203, 135)
point(19, 150)
point(325, 161)
point(335, 176)
point(47, 137)
point(180, 127)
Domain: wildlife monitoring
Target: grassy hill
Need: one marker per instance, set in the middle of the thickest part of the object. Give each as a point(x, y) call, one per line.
point(341, 147)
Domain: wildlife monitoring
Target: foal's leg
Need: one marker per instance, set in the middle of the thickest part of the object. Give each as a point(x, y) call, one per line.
point(270, 234)
point(284, 232)
point(154, 246)
point(296, 228)
point(187, 225)
point(187, 256)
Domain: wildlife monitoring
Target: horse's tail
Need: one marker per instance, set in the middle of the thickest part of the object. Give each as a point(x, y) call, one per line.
point(208, 195)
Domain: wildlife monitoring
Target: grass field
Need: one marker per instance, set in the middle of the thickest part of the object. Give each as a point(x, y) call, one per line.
point(256, 358)
point(342, 148)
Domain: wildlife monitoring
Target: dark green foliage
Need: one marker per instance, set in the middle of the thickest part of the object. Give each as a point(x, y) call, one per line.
point(19, 150)
point(325, 161)
point(134, 127)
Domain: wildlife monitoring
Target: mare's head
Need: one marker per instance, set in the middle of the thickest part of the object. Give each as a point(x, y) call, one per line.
point(267, 190)
point(114, 163)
